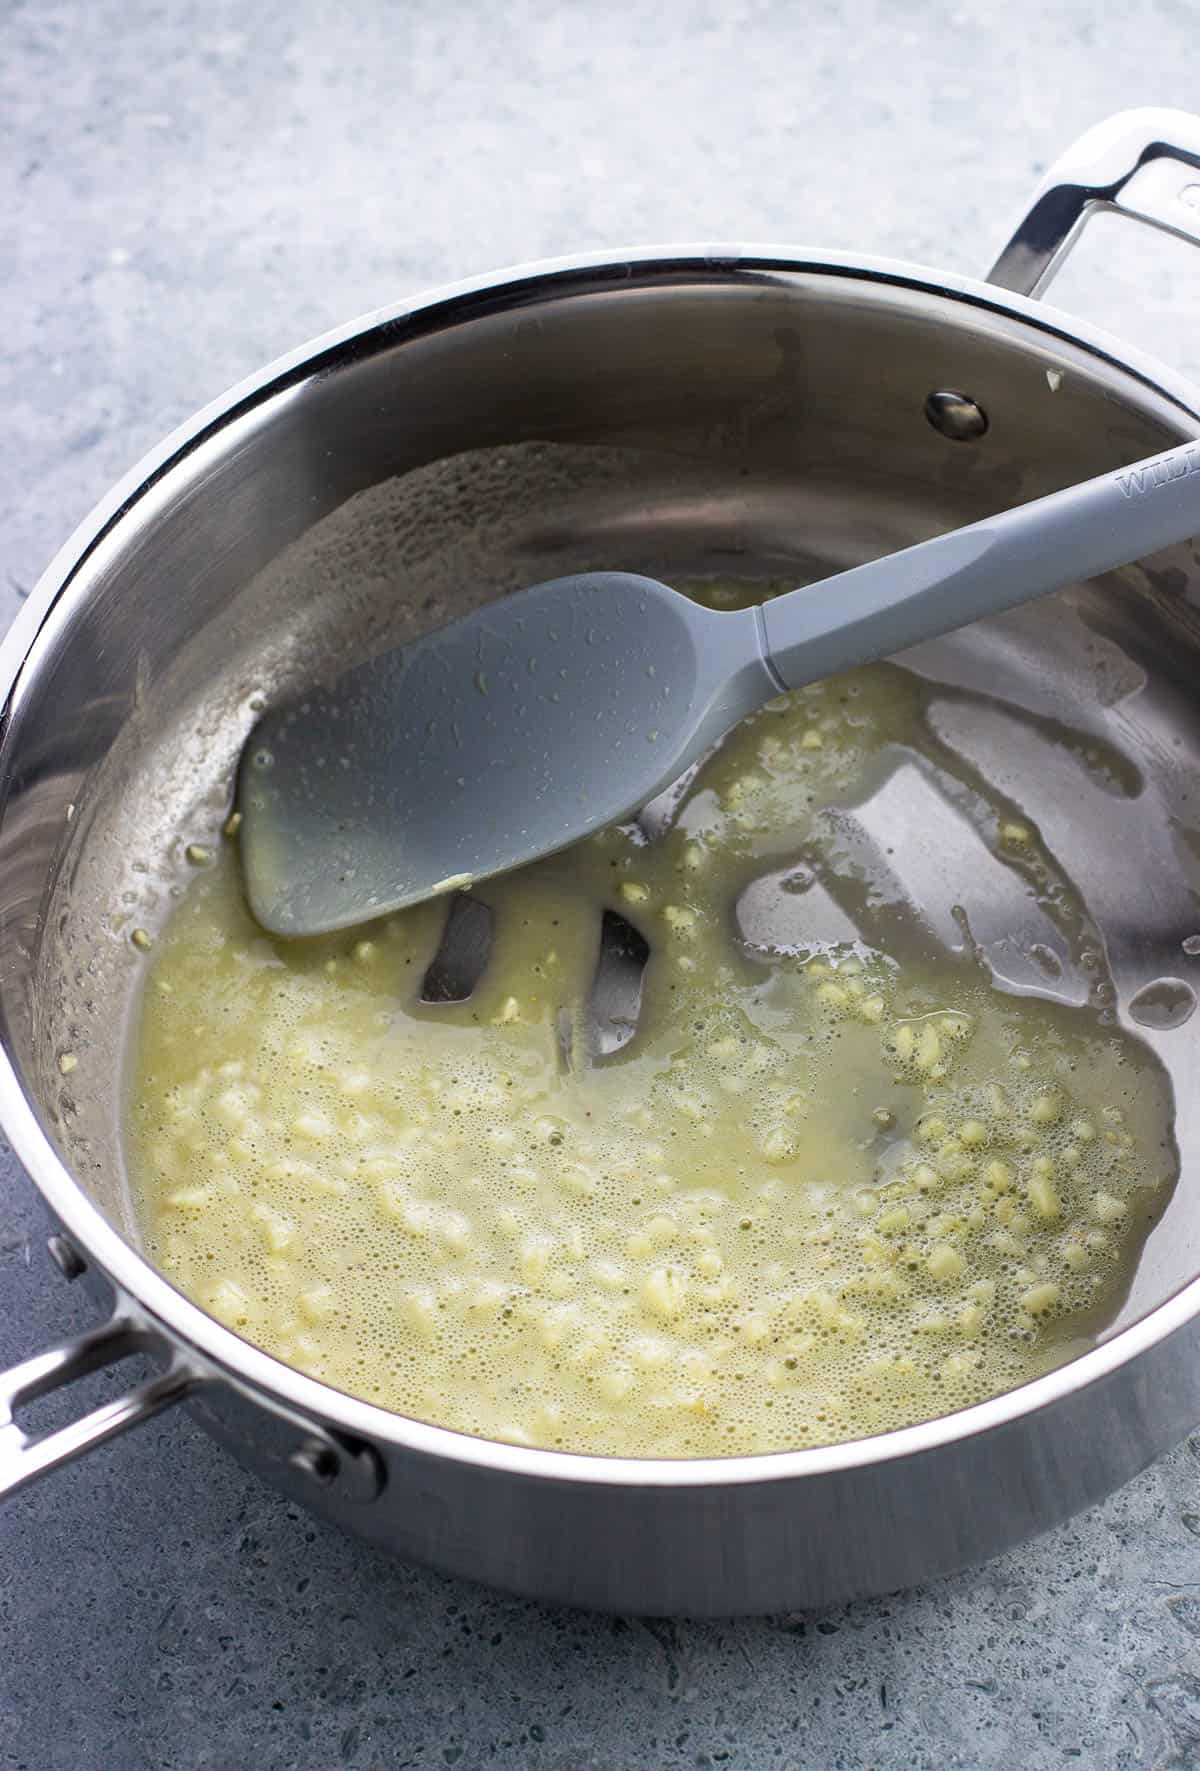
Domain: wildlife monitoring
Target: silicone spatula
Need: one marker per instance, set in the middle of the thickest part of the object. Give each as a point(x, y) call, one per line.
point(555, 711)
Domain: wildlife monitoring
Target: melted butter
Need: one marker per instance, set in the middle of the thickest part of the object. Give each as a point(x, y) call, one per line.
point(825, 1189)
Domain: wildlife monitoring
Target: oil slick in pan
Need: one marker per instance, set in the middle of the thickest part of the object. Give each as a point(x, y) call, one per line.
point(785, 1168)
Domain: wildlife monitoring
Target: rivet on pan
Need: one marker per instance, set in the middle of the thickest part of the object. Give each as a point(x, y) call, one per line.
point(66, 1258)
point(316, 1461)
point(956, 415)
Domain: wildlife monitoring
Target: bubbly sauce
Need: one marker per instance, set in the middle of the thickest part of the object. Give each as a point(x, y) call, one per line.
point(790, 1195)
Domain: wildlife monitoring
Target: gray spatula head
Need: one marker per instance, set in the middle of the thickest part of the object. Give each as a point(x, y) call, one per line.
point(500, 737)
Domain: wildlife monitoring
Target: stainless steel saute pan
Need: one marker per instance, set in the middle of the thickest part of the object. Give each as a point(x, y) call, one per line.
point(747, 410)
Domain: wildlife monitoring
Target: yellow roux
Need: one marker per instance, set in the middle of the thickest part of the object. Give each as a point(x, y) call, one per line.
point(812, 1199)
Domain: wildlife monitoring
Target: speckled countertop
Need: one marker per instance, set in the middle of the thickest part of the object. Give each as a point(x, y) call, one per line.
point(187, 190)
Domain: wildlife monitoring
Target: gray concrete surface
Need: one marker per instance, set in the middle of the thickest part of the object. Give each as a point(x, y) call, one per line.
point(187, 190)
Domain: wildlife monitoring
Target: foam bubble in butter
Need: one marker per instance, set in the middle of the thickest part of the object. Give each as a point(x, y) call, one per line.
point(821, 1193)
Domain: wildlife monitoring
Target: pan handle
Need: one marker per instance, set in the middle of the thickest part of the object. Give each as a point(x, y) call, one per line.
point(1142, 163)
point(24, 1458)
point(281, 1438)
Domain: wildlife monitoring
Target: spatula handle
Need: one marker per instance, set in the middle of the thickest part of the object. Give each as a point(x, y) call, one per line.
point(895, 602)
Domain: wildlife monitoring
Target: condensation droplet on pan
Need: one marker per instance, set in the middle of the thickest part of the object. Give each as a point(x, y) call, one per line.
point(1163, 1005)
